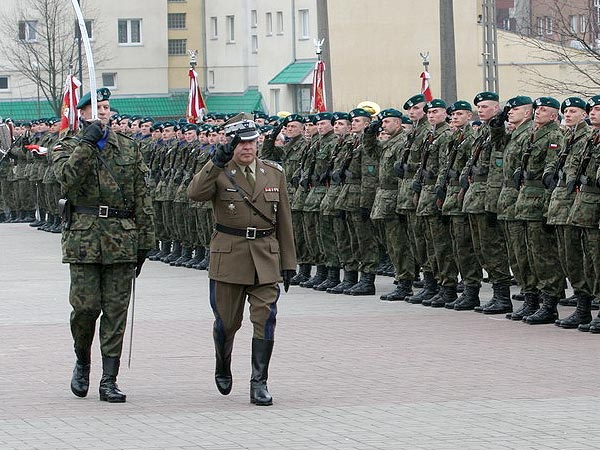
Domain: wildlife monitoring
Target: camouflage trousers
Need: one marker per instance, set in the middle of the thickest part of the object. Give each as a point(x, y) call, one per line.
point(542, 251)
point(311, 236)
point(95, 289)
point(438, 232)
point(228, 302)
point(364, 241)
point(418, 243)
point(397, 244)
point(591, 264)
point(343, 244)
point(52, 197)
point(204, 226)
point(462, 243)
point(159, 226)
point(515, 234)
point(169, 220)
point(570, 253)
point(5, 195)
point(26, 195)
point(183, 223)
point(303, 255)
point(327, 238)
point(490, 247)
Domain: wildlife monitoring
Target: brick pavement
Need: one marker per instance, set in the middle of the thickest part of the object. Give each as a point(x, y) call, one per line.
point(347, 372)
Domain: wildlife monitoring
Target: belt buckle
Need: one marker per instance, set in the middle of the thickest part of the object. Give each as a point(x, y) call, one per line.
point(103, 211)
point(251, 233)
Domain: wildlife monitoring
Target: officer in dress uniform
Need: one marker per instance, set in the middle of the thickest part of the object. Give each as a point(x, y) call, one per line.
point(252, 248)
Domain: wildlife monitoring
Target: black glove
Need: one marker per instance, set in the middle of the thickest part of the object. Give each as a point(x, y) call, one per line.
point(416, 186)
point(518, 177)
point(92, 133)
point(276, 131)
point(324, 177)
point(141, 258)
point(571, 186)
point(373, 127)
point(365, 213)
point(295, 181)
point(304, 182)
point(549, 180)
point(500, 118)
point(464, 182)
point(224, 153)
point(440, 193)
point(287, 276)
point(399, 169)
point(342, 215)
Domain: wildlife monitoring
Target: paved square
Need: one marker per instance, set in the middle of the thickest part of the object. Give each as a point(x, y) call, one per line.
point(347, 372)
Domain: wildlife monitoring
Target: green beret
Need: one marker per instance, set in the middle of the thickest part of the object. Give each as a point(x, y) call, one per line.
point(134, 118)
point(461, 105)
point(266, 128)
point(189, 127)
point(168, 123)
point(359, 112)
point(546, 101)
point(485, 96)
point(274, 118)
point(519, 100)
point(390, 112)
point(340, 115)
point(293, 118)
point(310, 118)
point(260, 115)
point(414, 100)
point(156, 126)
point(575, 102)
point(435, 103)
point(323, 116)
point(406, 120)
point(101, 95)
point(594, 101)
point(146, 119)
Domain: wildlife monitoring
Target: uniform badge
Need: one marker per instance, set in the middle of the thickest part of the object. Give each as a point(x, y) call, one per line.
point(262, 170)
point(553, 146)
point(231, 207)
point(233, 171)
point(271, 189)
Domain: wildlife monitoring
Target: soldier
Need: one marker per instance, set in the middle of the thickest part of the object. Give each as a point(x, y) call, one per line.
point(253, 249)
point(105, 240)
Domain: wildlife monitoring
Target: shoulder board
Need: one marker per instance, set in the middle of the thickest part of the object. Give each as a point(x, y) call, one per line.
point(272, 164)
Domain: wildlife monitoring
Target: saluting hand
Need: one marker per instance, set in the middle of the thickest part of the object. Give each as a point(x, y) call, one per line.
point(224, 153)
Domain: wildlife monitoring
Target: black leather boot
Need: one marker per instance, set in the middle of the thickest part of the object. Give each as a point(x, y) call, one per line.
point(350, 279)
point(39, 222)
point(47, 224)
point(403, 290)
point(80, 380)
point(366, 285)
point(530, 305)
point(174, 255)
point(186, 255)
point(29, 216)
point(581, 315)
point(469, 299)
point(302, 275)
point(57, 225)
point(261, 356)
point(333, 279)
point(594, 325)
point(203, 265)
point(547, 313)
point(165, 249)
point(3, 217)
point(569, 301)
point(318, 278)
point(502, 303)
point(109, 391)
point(449, 295)
point(430, 289)
point(198, 253)
point(223, 377)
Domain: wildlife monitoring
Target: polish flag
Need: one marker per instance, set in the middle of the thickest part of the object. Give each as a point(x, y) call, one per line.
point(425, 90)
point(317, 94)
point(196, 105)
point(69, 116)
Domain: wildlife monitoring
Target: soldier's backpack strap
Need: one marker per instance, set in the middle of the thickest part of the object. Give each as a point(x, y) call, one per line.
point(246, 197)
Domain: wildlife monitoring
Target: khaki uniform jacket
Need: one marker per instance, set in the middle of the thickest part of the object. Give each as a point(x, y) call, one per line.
point(235, 259)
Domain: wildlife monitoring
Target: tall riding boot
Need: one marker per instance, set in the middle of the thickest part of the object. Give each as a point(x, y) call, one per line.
point(203, 265)
point(302, 276)
point(333, 279)
point(530, 305)
point(317, 279)
point(261, 356)
point(223, 377)
point(164, 245)
point(547, 312)
point(468, 300)
point(501, 298)
point(403, 290)
point(582, 314)
point(109, 391)
point(80, 381)
point(366, 285)
point(350, 279)
point(175, 253)
point(198, 255)
point(430, 288)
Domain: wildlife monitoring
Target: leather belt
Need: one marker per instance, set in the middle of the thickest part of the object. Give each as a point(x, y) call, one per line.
point(249, 232)
point(103, 212)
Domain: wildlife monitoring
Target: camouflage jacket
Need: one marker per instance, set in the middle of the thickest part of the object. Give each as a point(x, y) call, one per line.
point(318, 166)
point(290, 157)
point(120, 183)
point(410, 156)
point(477, 170)
point(452, 162)
point(302, 172)
point(329, 204)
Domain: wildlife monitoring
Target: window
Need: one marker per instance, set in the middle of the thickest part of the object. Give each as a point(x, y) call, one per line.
point(269, 24)
point(574, 23)
point(230, 21)
point(304, 24)
point(254, 43)
point(253, 19)
point(28, 30)
point(130, 31)
point(303, 98)
point(176, 21)
point(540, 26)
point(211, 78)
point(177, 47)
point(275, 100)
point(582, 24)
point(549, 22)
point(3, 83)
point(214, 31)
point(89, 27)
point(109, 79)
point(279, 22)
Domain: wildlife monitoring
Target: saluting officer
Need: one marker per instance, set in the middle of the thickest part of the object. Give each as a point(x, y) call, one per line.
point(251, 250)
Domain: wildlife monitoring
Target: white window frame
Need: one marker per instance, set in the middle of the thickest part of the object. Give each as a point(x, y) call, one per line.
point(540, 26)
point(275, 99)
point(129, 33)
point(582, 23)
point(304, 25)
point(7, 88)
point(253, 18)
point(214, 28)
point(549, 24)
point(211, 78)
point(574, 24)
point(29, 31)
point(269, 23)
point(114, 77)
point(279, 23)
point(230, 28)
point(254, 43)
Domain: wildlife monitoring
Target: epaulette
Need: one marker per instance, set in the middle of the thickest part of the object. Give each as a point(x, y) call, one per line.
point(277, 166)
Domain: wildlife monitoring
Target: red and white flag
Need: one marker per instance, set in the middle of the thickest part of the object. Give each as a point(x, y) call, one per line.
point(70, 115)
point(425, 90)
point(317, 94)
point(196, 105)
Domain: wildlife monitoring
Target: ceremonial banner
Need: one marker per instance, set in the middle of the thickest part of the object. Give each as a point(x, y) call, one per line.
point(69, 114)
point(425, 90)
point(317, 94)
point(196, 105)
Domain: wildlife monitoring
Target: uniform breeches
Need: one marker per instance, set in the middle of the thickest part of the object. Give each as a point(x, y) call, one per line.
point(570, 252)
point(515, 234)
point(462, 243)
point(327, 239)
point(397, 244)
point(490, 247)
point(228, 301)
point(542, 250)
point(343, 246)
point(95, 289)
point(364, 242)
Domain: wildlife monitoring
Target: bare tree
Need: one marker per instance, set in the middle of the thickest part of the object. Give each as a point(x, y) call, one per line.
point(559, 32)
point(40, 43)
